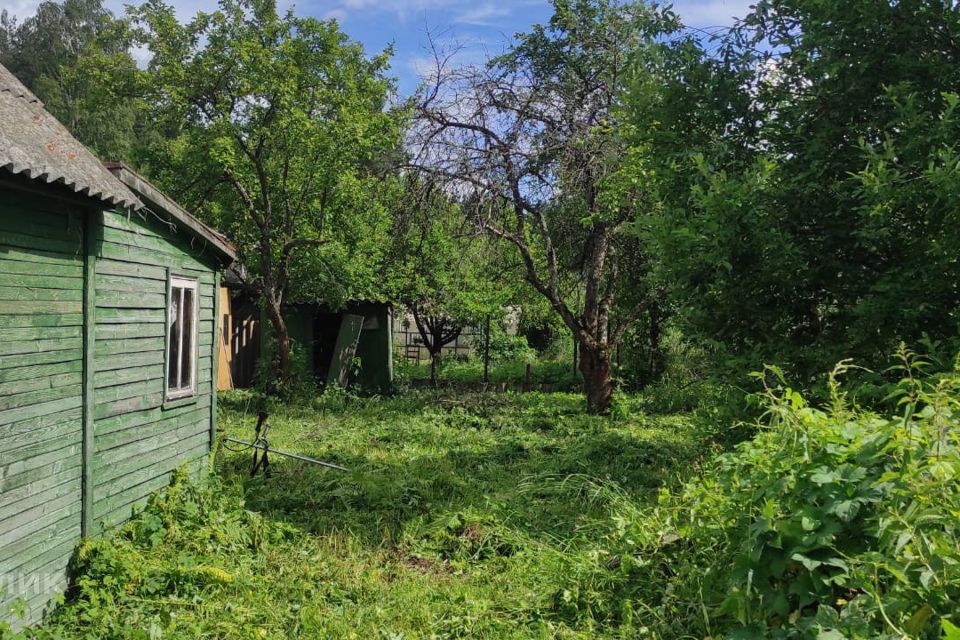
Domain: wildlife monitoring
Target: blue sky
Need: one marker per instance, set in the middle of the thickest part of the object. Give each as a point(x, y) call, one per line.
point(478, 26)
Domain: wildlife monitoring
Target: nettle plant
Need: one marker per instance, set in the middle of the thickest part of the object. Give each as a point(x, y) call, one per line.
point(849, 522)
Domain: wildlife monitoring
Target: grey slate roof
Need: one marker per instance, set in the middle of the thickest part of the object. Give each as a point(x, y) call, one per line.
point(34, 143)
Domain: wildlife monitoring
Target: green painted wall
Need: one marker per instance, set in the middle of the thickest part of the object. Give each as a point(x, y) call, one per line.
point(81, 286)
point(41, 396)
point(374, 348)
point(138, 441)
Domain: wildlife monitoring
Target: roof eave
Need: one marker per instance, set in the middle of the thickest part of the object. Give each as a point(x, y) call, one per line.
point(155, 199)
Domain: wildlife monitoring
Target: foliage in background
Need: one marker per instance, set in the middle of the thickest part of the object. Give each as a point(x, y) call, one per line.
point(807, 166)
point(830, 523)
point(75, 56)
point(276, 128)
point(533, 136)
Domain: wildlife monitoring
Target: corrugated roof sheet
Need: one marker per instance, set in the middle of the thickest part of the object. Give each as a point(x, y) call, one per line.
point(35, 144)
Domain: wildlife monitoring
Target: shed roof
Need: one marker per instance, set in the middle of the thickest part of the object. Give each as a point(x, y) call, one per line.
point(35, 144)
point(168, 209)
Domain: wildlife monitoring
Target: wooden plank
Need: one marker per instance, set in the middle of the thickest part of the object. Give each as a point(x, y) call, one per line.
point(42, 320)
point(45, 255)
point(130, 316)
point(42, 424)
point(39, 243)
point(68, 484)
point(89, 367)
point(119, 460)
point(128, 405)
point(214, 357)
point(19, 529)
point(124, 391)
point(69, 459)
point(130, 360)
point(37, 333)
point(106, 347)
point(130, 331)
point(130, 253)
point(129, 375)
point(108, 267)
point(59, 546)
point(36, 280)
point(25, 294)
point(136, 420)
point(55, 528)
point(24, 471)
point(23, 449)
point(36, 375)
point(136, 493)
point(125, 300)
point(128, 283)
point(19, 307)
point(19, 524)
point(39, 346)
point(31, 359)
point(10, 500)
point(167, 246)
point(120, 438)
point(40, 409)
point(66, 385)
point(139, 467)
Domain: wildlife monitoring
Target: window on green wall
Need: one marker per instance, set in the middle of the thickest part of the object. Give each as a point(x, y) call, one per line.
point(181, 337)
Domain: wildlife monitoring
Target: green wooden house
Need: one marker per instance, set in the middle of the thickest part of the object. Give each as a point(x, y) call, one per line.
point(108, 326)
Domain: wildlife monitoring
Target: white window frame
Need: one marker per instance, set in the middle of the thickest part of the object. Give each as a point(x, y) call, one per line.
point(181, 283)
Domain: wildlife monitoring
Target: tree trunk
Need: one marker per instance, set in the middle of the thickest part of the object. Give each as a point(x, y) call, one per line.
point(434, 356)
point(597, 380)
point(282, 336)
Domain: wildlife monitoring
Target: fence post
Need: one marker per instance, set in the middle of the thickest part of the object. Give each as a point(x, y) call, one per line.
point(486, 353)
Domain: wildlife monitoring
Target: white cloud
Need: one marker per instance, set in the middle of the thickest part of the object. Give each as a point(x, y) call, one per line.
point(484, 14)
point(19, 8)
point(340, 15)
point(712, 13)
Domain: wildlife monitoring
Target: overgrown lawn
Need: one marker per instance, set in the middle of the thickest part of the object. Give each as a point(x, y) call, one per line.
point(461, 516)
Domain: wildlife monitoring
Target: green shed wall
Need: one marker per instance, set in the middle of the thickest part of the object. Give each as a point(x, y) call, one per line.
point(138, 441)
point(82, 315)
point(41, 396)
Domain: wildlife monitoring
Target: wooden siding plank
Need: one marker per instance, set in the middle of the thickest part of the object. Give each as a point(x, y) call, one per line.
point(38, 333)
point(123, 437)
point(11, 499)
point(29, 294)
point(36, 375)
point(106, 347)
point(39, 346)
point(89, 367)
point(10, 254)
point(42, 424)
point(37, 280)
point(40, 409)
point(135, 469)
point(19, 307)
point(131, 495)
point(125, 300)
point(22, 472)
point(134, 420)
point(126, 376)
point(63, 386)
point(42, 320)
point(69, 484)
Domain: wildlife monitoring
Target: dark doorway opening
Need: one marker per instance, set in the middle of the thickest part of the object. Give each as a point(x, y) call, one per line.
point(326, 327)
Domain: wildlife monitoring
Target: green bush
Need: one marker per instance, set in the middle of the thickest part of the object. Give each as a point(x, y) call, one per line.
point(831, 523)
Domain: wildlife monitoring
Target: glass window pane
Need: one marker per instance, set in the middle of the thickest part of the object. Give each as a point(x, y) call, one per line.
point(173, 335)
point(186, 352)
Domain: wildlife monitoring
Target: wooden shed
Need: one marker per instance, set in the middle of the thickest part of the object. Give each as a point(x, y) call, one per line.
point(108, 326)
